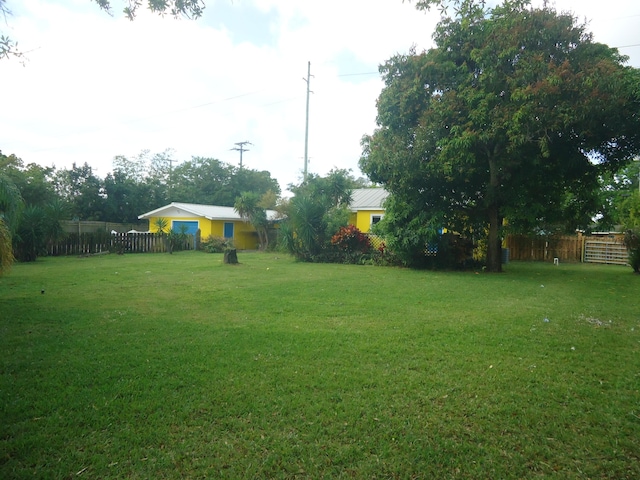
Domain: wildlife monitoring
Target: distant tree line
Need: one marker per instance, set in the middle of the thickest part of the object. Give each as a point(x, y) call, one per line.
point(35, 199)
point(135, 186)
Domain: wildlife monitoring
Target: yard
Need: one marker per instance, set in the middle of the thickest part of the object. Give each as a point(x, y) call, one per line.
point(179, 366)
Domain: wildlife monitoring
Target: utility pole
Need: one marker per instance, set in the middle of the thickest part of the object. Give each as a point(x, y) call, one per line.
point(306, 129)
point(240, 148)
point(171, 160)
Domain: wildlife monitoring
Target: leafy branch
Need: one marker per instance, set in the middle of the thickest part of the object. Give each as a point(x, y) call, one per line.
point(176, 8)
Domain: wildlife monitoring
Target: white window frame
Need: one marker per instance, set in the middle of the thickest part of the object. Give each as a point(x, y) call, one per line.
point(381, 215)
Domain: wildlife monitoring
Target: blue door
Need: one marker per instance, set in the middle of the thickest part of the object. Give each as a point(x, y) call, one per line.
point(189, 227)
point(228, 229)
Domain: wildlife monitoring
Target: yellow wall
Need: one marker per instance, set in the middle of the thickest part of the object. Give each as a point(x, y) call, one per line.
point(362, 219)
point(244, 235)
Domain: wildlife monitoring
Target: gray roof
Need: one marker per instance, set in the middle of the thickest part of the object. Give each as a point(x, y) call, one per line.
point(368, 199)
point(211, 212)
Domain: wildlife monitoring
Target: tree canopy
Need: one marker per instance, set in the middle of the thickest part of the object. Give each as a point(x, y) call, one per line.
point(510, 119)
point(620, 198)
point(8, 46)
point(176, 8)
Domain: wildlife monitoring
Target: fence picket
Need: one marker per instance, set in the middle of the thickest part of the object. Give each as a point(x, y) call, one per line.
point(102, 242)
point(604, 250)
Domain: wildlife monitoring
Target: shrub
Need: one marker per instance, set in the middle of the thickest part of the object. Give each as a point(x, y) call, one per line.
point(632, 242)
point(351, 245)
point(177, 240)
point(213, 244)
point(351, 239)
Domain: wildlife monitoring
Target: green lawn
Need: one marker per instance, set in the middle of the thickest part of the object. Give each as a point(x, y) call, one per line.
point(178, 366)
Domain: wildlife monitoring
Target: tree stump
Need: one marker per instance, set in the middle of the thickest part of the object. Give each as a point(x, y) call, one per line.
point(230, 256)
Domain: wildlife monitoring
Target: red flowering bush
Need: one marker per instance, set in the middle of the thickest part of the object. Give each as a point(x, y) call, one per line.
point(350, 239)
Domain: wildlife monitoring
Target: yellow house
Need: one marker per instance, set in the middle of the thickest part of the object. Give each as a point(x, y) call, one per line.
point(367, 207)
point(210, 220)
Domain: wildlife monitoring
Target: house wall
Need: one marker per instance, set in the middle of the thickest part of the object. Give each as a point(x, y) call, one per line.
point(362, 219)
point(244, 235)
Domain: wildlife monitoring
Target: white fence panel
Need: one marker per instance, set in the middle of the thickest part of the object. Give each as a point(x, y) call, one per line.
point(605, 251)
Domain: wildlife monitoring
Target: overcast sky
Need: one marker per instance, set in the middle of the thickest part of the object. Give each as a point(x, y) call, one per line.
point(95, 86)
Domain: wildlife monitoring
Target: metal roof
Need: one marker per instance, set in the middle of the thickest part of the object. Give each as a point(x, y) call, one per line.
point(368, 199)
point(211, 212)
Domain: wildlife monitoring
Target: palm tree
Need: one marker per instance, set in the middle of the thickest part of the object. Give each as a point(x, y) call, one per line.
point(10, 202)
point(247, 206)
point(10, 208)
point(163, 229)
point(308, 224)
point(6, 249)
point(55, 212)
point(30, 239)
point(162, 225)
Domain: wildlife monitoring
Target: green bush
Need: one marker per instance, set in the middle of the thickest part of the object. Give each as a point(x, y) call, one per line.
point(213, 244)
point(632, 242)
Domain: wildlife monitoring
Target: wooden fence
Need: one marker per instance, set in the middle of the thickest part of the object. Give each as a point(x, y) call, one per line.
point(606, 249)
point(566, 248)
point(597, 248)
point(102, 242)
point(88, 226)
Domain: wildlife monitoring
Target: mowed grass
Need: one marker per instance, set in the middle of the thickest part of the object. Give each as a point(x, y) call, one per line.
point(179, 366)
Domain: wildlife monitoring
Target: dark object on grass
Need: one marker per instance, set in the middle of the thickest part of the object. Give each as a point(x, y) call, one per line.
point(632, 242)
point(231, 256)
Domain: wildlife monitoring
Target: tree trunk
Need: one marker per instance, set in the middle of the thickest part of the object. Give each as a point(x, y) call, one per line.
point(230, 256)
point(494, 243)
point(260, 241)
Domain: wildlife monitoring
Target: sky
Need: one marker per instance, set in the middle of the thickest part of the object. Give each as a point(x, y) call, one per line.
point(94, 85)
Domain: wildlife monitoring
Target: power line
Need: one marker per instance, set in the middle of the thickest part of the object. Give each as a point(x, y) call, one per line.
point(357, 74)
point(281, 101)
point(195, 106)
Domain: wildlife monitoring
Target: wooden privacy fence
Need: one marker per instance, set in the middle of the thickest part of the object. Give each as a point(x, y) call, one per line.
point(89, 226)
point(102, 242)
point(597, 248)
point(566, 248)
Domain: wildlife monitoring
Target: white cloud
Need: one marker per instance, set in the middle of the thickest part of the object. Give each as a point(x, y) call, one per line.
point(96, 86)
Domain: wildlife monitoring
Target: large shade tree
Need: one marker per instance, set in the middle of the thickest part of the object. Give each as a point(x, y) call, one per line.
point(34, 182)
point(83, 192)
point(510, 119)
point(212, 182)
